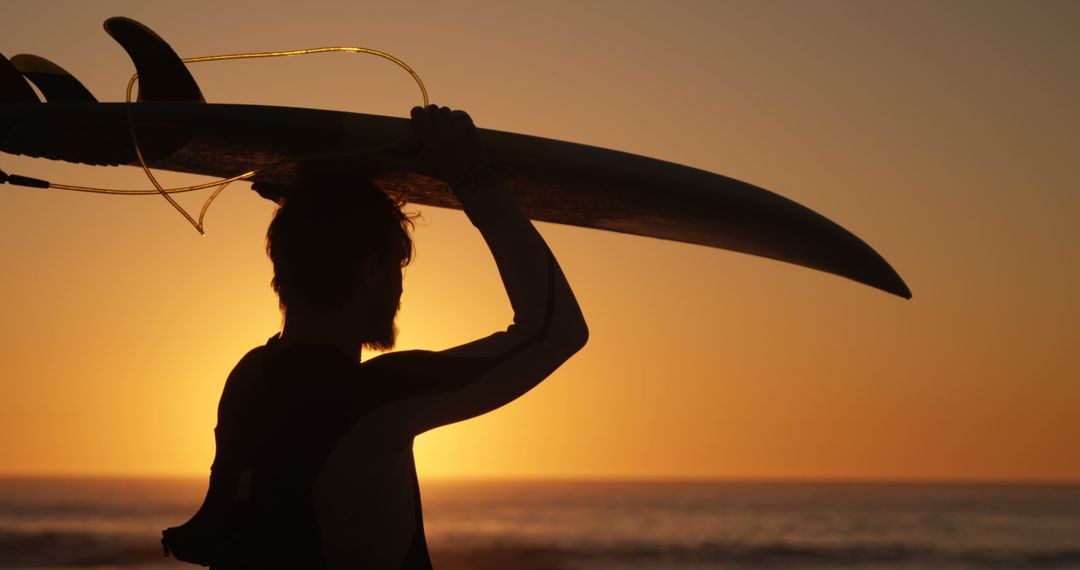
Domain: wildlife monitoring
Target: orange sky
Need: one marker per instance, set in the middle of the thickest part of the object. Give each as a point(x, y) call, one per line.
point(943, 134)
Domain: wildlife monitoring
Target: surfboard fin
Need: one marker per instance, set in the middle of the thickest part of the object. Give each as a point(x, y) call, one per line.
point(162, 76)
point(55, 83)
point(13, 86)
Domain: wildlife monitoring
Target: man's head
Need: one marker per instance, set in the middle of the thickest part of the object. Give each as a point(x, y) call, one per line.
point(340, 253)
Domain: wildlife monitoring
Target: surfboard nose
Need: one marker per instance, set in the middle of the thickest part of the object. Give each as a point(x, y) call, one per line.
point(162, 75)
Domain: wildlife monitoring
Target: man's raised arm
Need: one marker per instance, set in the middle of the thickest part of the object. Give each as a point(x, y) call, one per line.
point(548, 327)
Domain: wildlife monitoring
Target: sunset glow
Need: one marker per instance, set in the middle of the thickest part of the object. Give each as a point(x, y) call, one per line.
point(942, 134)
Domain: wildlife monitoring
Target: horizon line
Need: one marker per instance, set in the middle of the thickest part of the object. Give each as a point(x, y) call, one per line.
point(823, 480)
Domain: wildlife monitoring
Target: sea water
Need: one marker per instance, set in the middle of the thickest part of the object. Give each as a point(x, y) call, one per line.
point(116, 523)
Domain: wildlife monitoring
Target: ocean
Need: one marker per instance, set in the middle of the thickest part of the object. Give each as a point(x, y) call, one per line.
point(115, 523)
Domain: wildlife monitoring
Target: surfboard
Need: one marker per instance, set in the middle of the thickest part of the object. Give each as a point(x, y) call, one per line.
point(557, 181)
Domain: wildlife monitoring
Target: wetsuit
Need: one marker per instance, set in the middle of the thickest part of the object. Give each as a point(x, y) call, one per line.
point(314, 464)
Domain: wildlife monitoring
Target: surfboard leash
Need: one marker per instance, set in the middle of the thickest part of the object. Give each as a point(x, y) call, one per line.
point(224, 182)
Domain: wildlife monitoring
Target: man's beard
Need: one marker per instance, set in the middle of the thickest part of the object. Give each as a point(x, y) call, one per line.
point(385, 335)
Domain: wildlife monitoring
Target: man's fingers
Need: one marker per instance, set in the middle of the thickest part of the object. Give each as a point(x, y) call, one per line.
point(463, 125)
point(462, 120)
point(421, 120)
point(448, 141)
point(444, 125)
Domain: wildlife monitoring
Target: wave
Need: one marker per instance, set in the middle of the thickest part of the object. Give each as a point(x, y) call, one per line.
point(793, 555)
point(22, 549)
point(48, 549)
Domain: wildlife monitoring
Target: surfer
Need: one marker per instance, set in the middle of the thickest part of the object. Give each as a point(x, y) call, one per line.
point(314, 465)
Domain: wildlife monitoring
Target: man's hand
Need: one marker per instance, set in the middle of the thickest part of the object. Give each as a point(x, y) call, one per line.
point(449, 150)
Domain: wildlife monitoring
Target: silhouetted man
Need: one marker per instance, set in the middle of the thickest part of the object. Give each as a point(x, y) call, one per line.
point(314, 464)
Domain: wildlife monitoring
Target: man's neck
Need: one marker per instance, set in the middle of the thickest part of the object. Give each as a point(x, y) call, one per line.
point(298, 328)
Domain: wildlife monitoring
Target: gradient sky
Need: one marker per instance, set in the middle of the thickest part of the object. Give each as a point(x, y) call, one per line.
point(942, 133)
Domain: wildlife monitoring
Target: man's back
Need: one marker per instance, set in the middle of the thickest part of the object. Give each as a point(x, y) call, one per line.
point(284, 408)
point(321, 395)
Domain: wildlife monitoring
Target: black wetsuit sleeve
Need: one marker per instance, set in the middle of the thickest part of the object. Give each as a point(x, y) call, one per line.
point(480, 376)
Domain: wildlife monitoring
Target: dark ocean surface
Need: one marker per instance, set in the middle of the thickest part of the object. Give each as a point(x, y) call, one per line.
point(116, 523)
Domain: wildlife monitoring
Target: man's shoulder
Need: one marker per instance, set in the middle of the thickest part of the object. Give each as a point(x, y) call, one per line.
point(247, 365)
point(411, 373)
point(392, 360)
point(243, 376)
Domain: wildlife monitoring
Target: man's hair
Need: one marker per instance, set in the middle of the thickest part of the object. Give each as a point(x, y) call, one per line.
point(320, 238)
